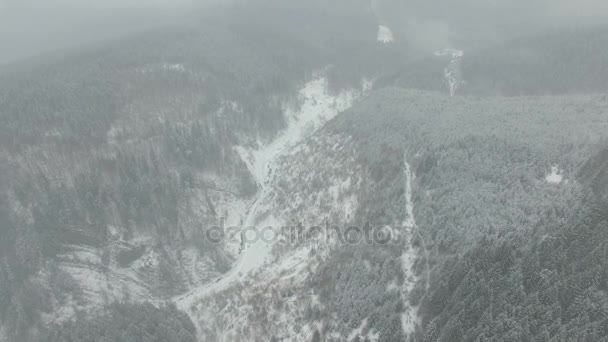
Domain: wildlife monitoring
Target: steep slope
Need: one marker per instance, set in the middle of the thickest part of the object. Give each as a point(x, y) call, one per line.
point(412, 215)
point(511, 255)
point(278, 262)
point(117, 160)
point(337, 290)
point(317, 107)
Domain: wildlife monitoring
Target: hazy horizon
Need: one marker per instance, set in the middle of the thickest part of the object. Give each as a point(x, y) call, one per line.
point(34, 27)
point(303, 170)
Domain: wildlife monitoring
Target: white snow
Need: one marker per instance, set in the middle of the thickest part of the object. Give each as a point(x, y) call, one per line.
point(385, 35)
point(357, 332)
point(410, 221)
point(177, 67)
point(454, 53)
point(372, 336)
point(163, 67)
point(410, 319)
point(316, 108)
point(555, 177)
point(452, 72)
point(293, 265)
point(367, 85)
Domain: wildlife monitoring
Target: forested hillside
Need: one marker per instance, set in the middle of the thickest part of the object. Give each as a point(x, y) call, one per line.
point(489, 167)
point(126, 323)
point(515, 254)
point(115, 158)
point(509, 237)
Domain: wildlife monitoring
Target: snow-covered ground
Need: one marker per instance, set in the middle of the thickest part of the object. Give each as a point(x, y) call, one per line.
point(385, 35)
point(177, 67)
point(164, 67)
point(410, 319)
point(454, 53)
point(452, 72)
point(555, 177)
point(316, 107)
point(358, 335)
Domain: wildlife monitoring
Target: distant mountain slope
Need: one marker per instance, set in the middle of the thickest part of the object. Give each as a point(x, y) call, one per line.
point(561, 62)
point(116, 159)
point(556, 62)
point(595, 175)
point(115, 162)
point(515, 257)
point(502, 244)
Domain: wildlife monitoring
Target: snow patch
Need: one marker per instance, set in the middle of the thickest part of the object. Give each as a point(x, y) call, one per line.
point(177, 67)
point(385, 35)
point(452, 73)
point(317, 106)
point(409, 318)
point(454, 53)
point(163, 67)
point(367, 85)
point(556, 176)
point(357, 332)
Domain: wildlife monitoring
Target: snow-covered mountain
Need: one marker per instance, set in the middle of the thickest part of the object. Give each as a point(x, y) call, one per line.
point(269, 179)
point(134, 151)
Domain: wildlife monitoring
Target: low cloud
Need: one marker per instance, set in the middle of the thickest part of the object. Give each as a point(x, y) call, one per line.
point(31, 27)
point(429, 23)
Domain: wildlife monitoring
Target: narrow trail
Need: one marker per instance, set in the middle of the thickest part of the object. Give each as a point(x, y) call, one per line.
point(410, 319)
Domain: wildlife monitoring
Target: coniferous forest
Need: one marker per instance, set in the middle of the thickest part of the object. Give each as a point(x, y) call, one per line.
point(467, 141)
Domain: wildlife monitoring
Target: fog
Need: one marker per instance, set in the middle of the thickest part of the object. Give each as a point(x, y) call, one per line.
point(431, 24)
point(303, 170)
point(31, 27)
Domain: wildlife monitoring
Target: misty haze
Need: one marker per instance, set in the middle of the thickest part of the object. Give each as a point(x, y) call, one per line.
point(290, 170)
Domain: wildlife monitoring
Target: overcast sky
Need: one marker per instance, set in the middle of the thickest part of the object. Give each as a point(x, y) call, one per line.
point(449, 22)
point(30, 27)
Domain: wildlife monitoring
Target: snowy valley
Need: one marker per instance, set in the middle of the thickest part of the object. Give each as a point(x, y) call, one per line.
point(276, 170)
